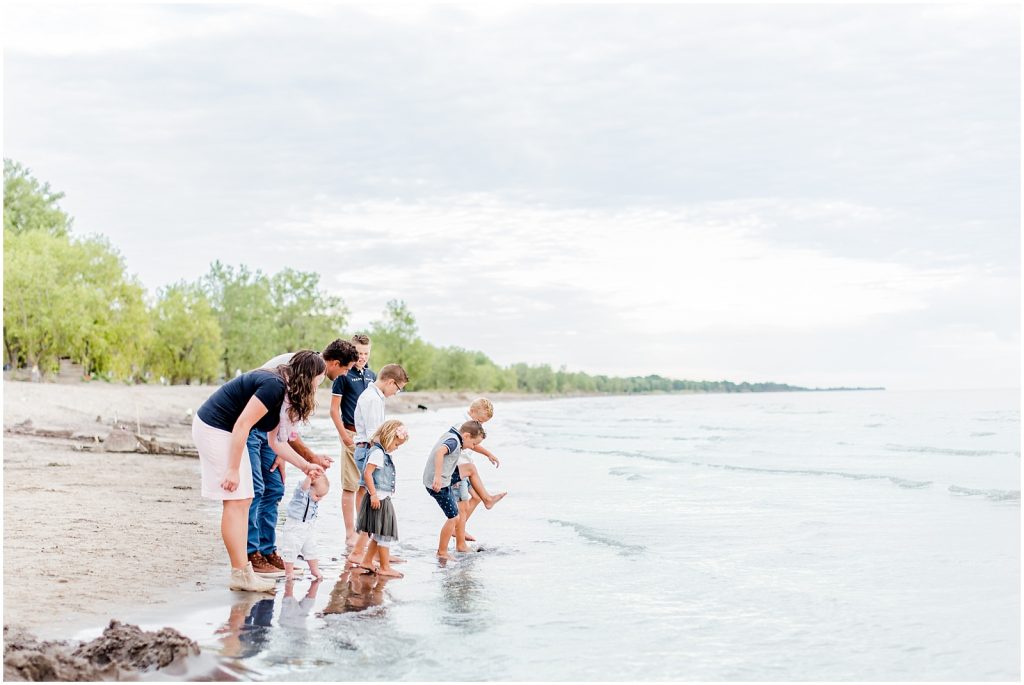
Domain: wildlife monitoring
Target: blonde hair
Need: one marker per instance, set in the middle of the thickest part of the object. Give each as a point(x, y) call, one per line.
point(387, 434)
point(484, 406)
point(321, 486)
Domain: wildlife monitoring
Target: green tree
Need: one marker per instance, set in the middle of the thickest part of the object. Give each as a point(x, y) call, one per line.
point(72, 298)
point(187, 343)
point(242, 302)
point(30, 205)
point(304, 316)
point(115, 342)
point(396, 341)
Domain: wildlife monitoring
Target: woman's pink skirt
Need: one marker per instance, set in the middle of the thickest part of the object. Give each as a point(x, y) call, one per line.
point(214, 445)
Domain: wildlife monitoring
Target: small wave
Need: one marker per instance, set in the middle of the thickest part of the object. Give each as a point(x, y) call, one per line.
point(628, 473)
point(943, 450)
point(611, 453)
point(588, 533)
point(981, 435)
point(994, 495)
point(873, 425)
point(901, 482)
point(722, 428)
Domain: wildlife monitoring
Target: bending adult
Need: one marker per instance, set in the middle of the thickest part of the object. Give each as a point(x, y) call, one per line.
point(268, 468)
point(220, 430)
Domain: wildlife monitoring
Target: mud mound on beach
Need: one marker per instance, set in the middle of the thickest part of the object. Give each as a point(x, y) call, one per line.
point(120, 650)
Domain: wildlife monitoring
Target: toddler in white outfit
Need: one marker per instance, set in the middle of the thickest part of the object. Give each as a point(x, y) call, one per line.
point(299, 533)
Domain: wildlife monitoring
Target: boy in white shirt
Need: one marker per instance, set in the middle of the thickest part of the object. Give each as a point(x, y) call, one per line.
point(369, 415)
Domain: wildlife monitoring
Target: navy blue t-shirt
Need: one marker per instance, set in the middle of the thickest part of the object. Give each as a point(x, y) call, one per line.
point(349, 387)
point(224, 406)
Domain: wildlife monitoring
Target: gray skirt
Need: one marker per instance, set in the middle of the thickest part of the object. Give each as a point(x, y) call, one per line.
point(377, 521)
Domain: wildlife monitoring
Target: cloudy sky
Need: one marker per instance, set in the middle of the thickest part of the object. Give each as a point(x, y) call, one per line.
point(814, 194)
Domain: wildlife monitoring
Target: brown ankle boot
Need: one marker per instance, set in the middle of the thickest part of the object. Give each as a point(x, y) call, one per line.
point(275, 559)
point(263, 567)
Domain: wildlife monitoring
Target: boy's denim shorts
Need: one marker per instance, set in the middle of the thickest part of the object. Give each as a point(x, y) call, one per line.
point(360, 455)
point(461, 490)
point(446, 500)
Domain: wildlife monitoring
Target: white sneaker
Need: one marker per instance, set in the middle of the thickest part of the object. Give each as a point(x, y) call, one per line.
point(245, 579)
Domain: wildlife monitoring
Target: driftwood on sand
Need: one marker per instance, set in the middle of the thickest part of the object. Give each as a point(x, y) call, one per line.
point(117, 439)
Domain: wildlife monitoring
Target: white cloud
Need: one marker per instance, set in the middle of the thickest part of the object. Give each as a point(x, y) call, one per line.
point(838, 183)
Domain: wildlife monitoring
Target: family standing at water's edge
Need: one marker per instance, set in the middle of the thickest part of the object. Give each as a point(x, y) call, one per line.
point(259, 412)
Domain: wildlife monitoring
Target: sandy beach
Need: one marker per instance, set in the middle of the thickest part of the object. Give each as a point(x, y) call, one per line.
point(89, 533)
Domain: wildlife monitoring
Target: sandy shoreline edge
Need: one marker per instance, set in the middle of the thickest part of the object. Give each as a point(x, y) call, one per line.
point(80, 522)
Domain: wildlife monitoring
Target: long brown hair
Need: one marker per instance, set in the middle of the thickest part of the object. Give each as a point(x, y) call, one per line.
point(298, 375)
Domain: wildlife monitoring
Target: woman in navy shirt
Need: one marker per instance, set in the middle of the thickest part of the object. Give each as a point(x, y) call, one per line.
point(220, 428)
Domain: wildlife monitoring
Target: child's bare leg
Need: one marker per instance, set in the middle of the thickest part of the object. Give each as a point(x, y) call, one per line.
point(460, 535)
point(463, 514)
point(384, 554)
point(488, 499)
point(371, 552)
point(314, 568)
point(359, 548)
point(471, 473)
point(446, 535)
point(289, 568)
point(471, 506)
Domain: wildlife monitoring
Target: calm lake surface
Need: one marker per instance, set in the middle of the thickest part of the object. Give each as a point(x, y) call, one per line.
point(783, 536)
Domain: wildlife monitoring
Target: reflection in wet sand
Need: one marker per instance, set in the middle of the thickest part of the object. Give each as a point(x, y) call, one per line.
point(355, 592)
point(294, 611)
point(463, 594)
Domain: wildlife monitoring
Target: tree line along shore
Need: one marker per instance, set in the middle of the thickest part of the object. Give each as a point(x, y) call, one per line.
point(71, 298)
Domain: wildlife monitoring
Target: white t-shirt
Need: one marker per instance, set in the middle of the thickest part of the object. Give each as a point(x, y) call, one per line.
point(376, 457)
point(369, 413)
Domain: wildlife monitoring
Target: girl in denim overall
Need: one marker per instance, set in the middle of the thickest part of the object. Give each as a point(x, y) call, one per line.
point(377, 513)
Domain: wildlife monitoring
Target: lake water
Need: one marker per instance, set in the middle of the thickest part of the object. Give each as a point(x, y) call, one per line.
point(783, 536)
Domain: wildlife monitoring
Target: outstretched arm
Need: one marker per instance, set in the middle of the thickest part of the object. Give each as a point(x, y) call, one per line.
point(487, 453)
point(309, 455)
point(283, 450)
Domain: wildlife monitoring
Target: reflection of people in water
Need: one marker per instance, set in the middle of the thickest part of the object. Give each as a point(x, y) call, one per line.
point(355, 592)
point(246, 631)
point(464, 598)
point(293, 611)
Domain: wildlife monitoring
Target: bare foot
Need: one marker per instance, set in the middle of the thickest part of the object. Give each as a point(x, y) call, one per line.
point(390, 573)
point(467, 548)
point(363, 570)
point(355, 557)
point(397, 560)
point(470, 538)
point(494, 500)
point(444, 556)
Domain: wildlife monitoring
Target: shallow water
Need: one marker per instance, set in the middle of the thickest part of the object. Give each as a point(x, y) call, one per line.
point(821, 536)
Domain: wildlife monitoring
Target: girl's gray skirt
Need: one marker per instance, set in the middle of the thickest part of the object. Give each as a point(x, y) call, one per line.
point(377, 521)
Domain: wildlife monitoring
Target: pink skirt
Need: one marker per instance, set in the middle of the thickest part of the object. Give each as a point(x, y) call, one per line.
point(214, 445)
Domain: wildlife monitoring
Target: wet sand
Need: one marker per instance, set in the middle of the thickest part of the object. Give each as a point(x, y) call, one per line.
point(91, 535)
